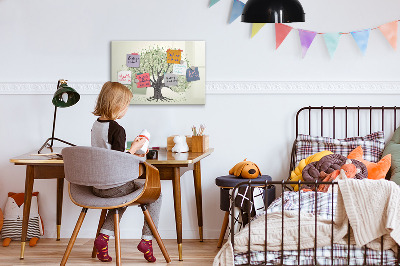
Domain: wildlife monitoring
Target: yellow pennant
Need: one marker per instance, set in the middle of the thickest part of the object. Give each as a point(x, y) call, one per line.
point(256, 28)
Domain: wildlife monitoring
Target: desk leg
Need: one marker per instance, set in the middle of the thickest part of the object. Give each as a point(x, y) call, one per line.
point(60, 190)
point(199, 204)
point(27, 206)
point(176, 182)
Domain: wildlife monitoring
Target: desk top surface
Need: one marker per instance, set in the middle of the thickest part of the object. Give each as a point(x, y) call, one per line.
point(164, 157)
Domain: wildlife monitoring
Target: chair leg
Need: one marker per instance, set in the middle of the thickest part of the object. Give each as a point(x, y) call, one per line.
point(223, 229)
point(154, 230)
point(101, 222)
point(73, 237)
point(117, 239)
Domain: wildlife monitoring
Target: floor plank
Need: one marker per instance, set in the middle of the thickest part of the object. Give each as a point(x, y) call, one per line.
point(49, 252)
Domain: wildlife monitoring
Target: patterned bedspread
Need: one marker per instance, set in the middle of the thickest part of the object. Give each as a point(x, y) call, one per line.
point(306, 202)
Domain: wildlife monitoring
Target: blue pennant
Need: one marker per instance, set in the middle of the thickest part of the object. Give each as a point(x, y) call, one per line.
point(361, 38)
point(237, 9)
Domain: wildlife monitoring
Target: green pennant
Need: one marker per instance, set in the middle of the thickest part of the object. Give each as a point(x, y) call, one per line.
point(213, 2)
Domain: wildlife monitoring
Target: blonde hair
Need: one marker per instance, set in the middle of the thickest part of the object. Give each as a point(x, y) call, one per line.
point(112, 99)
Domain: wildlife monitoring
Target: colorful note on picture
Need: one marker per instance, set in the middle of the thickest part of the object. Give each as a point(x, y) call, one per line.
point(174, 56)
point(170, 79)
point(133, 60)
point(192, 75)
point(180, 69)
point(125, 77)
point(144, 80)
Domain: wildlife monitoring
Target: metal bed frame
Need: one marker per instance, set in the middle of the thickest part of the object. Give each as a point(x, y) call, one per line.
point(283, 184)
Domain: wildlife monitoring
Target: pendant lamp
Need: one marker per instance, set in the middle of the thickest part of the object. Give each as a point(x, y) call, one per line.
point(273, 11)
point(64, 96)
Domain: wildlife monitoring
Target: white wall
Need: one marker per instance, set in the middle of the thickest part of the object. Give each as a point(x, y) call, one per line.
point(42, 41)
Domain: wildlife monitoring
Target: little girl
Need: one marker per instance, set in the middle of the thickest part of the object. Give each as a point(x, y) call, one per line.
point(112, 103)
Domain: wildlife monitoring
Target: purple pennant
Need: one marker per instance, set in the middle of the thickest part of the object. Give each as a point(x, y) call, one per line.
point(306, 39)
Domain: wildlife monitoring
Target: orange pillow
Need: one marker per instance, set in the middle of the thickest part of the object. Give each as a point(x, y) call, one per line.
point(375, 170)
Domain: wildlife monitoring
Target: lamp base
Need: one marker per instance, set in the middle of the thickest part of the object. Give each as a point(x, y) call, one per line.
point(50, 146)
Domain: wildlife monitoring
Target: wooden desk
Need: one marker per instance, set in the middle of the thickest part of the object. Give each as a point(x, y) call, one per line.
point(171, 167)
point(40, 167)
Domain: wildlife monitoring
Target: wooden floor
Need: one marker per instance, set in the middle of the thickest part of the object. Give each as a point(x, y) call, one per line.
point(50, 252)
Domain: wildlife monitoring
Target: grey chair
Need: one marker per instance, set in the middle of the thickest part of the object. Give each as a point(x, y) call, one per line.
point(85, 167)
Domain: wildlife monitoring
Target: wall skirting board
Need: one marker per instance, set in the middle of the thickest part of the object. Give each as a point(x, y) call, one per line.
point(232, 87)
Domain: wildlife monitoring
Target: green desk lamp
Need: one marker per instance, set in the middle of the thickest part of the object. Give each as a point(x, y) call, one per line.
point(65, 96)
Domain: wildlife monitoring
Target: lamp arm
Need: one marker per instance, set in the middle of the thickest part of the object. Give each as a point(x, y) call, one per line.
point(54, 119)
point(54, 126)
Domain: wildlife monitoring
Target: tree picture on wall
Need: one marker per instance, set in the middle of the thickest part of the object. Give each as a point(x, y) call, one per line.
point(161, 72)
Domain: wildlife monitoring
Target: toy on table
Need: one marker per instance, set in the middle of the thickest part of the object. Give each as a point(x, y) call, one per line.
point(180, 144)
point(13, 215)
point(144, 134)
point(245, 169)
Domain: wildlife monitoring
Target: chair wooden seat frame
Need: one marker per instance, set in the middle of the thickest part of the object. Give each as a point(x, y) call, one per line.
point(150, 193)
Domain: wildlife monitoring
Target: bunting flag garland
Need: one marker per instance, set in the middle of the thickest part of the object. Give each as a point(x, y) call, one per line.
point(213, 2)
point(306, 39)
point(332, 41)
point(237, 9)
point(361, 37)
point(389, 30)
point(281, 31)
point(256, 27)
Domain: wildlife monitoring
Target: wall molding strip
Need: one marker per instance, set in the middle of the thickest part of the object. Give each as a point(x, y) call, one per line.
point(232, 87)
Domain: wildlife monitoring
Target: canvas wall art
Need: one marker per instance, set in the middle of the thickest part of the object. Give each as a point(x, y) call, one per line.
point(160, 72)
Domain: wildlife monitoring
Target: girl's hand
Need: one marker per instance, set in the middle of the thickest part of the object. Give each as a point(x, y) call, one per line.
point(137, 144)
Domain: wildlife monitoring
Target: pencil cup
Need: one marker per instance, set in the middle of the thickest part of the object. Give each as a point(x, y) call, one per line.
point(200, 143)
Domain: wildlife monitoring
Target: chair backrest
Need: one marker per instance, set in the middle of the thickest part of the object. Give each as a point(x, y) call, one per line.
point(92, 166)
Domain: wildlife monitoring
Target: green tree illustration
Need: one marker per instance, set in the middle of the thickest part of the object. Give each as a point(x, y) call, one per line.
point(154, 61)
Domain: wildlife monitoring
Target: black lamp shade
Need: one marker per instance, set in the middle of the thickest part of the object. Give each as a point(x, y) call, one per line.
point(65, 96)
point(273, 11)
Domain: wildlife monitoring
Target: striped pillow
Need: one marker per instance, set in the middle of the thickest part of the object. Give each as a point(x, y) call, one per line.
point(372, 145)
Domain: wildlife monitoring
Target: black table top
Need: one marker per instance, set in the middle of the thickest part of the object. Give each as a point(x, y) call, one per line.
point(230, 181)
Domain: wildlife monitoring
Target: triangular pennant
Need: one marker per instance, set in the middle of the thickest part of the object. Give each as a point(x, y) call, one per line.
point(237, 9)
point(281, 31)
point(361, 37)
point(332, 41)
point(389, 30)
point(256, 27)
point(213, 2)
point(306, 39)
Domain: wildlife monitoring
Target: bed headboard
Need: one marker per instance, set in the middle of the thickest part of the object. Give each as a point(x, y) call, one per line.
point(344, 121)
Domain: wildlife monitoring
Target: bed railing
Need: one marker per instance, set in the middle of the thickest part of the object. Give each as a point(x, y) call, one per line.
point(265, 185)
point(333, 120)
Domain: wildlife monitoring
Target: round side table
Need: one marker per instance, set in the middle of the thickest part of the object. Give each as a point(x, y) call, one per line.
point(228, 182)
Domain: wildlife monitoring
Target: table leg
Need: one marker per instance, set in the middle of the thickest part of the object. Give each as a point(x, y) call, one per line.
point(27, 206)
point(199, 204)
point(176, 183)
point(60, 190)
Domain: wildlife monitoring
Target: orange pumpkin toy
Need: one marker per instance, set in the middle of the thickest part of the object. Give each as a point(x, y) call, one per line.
point(245, 169)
